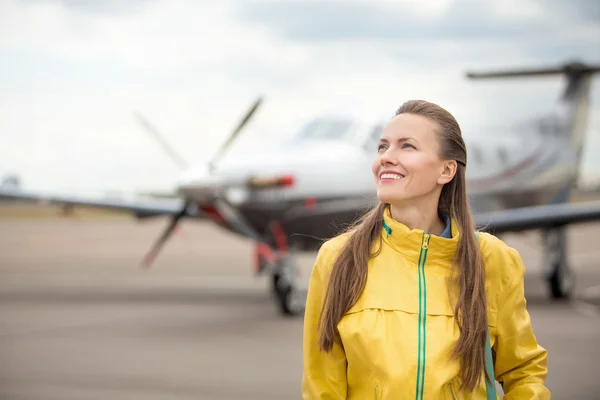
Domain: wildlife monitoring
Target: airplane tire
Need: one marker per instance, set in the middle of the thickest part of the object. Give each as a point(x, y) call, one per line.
point(559, 276)
point(286, 290)
point(561, 283)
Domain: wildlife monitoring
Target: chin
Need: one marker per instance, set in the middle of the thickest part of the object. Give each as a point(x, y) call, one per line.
point(389, 197)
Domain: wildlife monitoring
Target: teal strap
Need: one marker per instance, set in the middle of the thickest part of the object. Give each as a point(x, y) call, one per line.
point(490, 387)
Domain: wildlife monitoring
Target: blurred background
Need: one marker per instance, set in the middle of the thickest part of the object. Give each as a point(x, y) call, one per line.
point(79, 318)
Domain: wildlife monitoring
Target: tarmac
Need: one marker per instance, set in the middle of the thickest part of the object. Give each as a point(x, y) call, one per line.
point(80, 319)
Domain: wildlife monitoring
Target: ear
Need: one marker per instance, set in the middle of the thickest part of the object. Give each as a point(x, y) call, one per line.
point(448, 172)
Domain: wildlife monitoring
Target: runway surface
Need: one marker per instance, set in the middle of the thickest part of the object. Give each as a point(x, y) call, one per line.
point(79, 319)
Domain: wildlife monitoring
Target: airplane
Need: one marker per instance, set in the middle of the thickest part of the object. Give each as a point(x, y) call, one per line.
point(319, 181)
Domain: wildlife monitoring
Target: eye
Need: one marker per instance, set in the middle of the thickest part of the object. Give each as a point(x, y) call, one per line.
point(408, 145)
point(380, 147)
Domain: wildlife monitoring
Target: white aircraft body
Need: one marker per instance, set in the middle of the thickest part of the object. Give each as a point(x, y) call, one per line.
point(320, 180)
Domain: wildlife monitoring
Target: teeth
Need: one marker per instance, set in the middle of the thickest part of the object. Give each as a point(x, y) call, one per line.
point(391, 176)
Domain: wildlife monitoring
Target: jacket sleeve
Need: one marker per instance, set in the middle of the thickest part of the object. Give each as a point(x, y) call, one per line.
point(324, 374)
point(521, 363)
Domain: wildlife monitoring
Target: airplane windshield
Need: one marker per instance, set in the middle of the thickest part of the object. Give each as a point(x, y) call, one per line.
point(325, 129)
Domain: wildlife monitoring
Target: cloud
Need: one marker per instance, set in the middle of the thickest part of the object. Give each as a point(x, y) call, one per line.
point(452, 31)
point(335, 21)
point(73, 74)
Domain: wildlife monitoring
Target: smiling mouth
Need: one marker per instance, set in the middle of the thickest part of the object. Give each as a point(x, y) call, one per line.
point(390, 177)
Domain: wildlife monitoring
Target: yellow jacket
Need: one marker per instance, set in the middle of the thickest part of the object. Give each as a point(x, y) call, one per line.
point(381, 356)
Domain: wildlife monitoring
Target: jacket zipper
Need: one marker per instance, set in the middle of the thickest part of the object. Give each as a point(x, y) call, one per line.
point(422, 318)
point(451, 391)
point(376, 391)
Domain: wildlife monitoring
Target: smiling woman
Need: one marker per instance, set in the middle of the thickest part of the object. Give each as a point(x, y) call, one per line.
point(411, 302)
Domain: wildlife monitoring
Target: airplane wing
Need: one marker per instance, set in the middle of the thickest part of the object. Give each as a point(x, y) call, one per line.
point(502, 221)
point(538, 217)
point(140, 207)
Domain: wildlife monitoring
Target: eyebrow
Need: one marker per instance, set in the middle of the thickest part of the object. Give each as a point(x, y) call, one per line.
point(401, 139)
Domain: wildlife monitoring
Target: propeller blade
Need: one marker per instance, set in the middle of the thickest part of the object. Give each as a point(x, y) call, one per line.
point(235, 132)
point(176, 157)
point(151, 255)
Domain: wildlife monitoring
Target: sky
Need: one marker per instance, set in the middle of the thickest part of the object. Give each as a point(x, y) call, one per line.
point(73, 73)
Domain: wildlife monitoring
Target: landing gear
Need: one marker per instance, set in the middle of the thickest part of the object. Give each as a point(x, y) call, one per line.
point(290, 299)
point(273, 255)
point(280, 262)
point(558, 275)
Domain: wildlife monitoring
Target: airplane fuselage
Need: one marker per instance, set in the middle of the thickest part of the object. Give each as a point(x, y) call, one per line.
point(533, 163)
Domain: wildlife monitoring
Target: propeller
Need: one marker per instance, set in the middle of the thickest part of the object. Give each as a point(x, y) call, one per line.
point(176, 157)
point(235, 133)
point(151, 255)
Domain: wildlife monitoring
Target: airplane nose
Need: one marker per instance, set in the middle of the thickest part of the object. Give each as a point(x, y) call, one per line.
point(290, 168)
point(199, 183)
point(192, 176)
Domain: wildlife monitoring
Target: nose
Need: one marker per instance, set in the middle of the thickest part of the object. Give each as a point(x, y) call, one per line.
point(387, 158)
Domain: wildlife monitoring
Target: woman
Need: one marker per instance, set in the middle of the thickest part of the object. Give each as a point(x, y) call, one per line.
point(401, 305)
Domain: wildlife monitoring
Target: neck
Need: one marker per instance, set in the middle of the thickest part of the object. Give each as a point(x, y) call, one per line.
point(422, 214)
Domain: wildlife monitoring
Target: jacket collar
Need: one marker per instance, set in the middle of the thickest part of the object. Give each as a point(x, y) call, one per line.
point(409, 241)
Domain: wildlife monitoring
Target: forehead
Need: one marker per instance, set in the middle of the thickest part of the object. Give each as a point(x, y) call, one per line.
point(410, 126)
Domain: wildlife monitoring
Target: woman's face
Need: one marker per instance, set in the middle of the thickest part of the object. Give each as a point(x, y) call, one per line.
point(407, 166)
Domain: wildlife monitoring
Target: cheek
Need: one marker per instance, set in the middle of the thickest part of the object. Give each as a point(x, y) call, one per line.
point(424, 168)
point(375, 166)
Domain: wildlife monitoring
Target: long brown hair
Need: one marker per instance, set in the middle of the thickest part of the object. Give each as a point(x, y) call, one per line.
point(349, 273)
